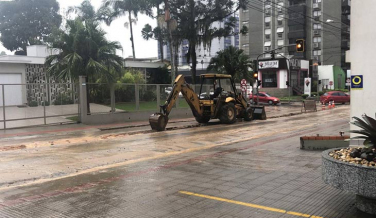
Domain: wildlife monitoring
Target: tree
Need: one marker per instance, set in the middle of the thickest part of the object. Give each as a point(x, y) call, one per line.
point(3, 53)
point(157, 33)
point(195, 19)
point(84, 51)
point(129, 7)
point(27, 22)
point(231, 61)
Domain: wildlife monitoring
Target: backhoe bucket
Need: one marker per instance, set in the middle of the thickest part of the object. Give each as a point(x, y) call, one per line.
point(158, 121)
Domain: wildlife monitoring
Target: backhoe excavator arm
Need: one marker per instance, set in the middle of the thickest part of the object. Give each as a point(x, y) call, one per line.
point(158, 121)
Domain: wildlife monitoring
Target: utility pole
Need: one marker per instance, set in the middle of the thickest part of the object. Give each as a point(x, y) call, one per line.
point(172, 56)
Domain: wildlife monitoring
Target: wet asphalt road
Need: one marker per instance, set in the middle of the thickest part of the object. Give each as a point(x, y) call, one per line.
point(243, 170)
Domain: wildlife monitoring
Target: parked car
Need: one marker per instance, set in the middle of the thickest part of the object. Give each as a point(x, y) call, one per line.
point(264, 98)
point(336, 96)
point(169, 89)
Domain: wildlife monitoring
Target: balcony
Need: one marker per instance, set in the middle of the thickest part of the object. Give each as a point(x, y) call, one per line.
point(316, 6)
point(317, 45)
point(316, 32)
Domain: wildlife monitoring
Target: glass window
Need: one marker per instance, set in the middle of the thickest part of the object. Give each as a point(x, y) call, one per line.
point(269, 79)
point(269, 43)
point(267, 19)
point(279, 35)
point(267, 36)
point(317, 26)
point(317, 13)
point(268, 31)
point(317, 53)
point(316, 1)
point(280, 22)
point(267, 24)
point(281, 42)
point(316, 39)
point(280, 30)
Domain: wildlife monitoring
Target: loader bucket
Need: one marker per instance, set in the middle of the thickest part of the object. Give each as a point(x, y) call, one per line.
point(158, 121)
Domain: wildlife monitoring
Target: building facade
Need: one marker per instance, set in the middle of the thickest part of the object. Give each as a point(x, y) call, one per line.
point(204, 54)
point(323, 24)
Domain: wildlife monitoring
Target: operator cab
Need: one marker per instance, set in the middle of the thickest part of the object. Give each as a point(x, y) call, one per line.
point(214, 85)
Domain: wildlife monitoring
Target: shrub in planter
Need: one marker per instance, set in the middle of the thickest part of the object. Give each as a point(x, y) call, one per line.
point(321, 93)
point(313, 94)
point(362, 155)
point(304, 96)
point(33, 104)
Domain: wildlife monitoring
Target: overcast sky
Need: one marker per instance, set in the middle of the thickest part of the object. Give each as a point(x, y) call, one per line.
point(117, 32)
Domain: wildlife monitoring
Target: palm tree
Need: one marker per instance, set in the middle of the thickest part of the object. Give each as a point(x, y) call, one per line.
point(84, 51)
point(128, 7)
point(231, 61)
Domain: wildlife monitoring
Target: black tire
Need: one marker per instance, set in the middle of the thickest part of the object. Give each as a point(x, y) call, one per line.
point(248, 114)
point(202, 119)
point(228, 113)
point(270, 102)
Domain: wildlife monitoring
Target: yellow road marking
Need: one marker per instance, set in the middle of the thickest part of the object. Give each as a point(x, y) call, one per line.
point(250, 205)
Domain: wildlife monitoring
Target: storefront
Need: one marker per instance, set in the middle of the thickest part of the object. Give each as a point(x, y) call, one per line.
point(274, 74)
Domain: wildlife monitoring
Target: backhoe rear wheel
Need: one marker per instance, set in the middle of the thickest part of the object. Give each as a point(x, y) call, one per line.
point(203, 119)
point(228, 113)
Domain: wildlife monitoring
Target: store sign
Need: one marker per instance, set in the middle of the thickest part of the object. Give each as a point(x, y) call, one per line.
point(357, 82)
point(307, 86)
point(268, 64)
point(295, 64)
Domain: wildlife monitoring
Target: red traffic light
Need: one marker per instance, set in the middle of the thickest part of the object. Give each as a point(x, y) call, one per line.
point(255, 75)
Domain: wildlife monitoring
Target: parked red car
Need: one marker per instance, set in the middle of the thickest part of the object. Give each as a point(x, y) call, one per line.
point(336, 96)
point(264, 98)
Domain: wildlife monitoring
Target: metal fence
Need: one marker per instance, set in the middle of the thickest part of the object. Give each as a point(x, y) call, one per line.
point(35, 104)
point(121, 97)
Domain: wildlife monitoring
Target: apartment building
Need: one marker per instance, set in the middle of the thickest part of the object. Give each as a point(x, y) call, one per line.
point(204, 54)
point(323, 24)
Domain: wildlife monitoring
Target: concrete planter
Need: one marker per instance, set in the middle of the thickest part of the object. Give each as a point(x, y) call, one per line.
point(356, 179)
point(323, 142)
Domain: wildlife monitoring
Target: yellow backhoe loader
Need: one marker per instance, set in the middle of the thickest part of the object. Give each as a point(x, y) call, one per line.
point(217, 99)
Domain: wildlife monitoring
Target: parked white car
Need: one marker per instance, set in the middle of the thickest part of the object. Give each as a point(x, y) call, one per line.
point(169, 89)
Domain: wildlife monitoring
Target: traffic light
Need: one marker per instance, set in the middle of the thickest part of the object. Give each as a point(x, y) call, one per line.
point(255, 75)
point(300, 45)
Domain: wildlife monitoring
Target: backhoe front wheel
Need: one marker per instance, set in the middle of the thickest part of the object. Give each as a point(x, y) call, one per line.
point(248, 114)
point(203, 119)
point(228, 113)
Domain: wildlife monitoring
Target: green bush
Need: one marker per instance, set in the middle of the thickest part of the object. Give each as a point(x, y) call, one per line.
point(313, 94)
point(321, 93)
point(33, 104)
point(304, 96)
point(149, 95)
point(46, 103)
point(63, 99)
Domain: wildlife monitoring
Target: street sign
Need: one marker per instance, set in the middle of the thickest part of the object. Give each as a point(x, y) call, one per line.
point(243, 82)
point(357, 82)
point(348, 82)
point(331, 83)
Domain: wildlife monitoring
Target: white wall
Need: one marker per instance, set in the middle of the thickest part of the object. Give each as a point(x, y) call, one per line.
point(282, 79)
point(362, 56)
point(325, 73)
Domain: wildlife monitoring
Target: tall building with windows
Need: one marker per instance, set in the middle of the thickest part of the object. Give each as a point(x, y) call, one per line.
point(205, 54)
point(323, 24)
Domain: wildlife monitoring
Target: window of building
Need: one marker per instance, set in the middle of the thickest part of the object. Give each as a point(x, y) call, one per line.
point(268, 43)
point(316, 1)
point(267, 24)
point(316, 13)
point(268, 31)
point(267, 37)
point(280, 22)
point(316, 39)
point(267, 6)
point(317, 53)
point(280, 35)
point(280, 42)
point(267, 19)
point(317, 26)
point(267, 48)
point(269, 79)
